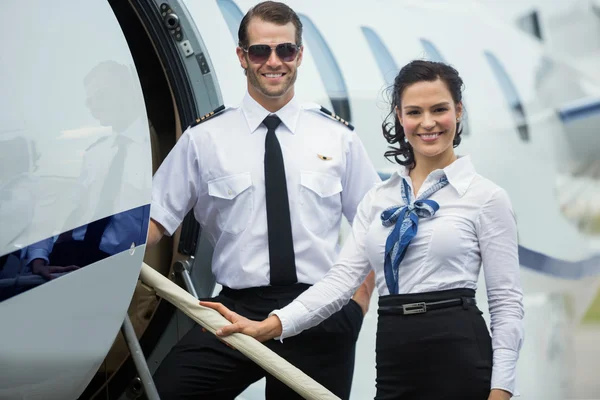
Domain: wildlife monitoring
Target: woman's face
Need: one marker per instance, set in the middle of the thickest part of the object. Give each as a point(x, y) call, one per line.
point(429, 115)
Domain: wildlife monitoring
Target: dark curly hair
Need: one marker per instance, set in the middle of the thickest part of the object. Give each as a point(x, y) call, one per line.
point(413, 72)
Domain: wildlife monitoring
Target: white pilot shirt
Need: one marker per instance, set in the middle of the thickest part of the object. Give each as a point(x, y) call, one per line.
point(217, 168)
point(474, 225)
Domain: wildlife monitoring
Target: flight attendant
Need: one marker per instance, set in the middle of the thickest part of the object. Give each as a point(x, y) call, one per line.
point(426, 232)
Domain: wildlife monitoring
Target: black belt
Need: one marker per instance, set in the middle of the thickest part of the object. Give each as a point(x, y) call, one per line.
point(269, 292)
point(421, 308)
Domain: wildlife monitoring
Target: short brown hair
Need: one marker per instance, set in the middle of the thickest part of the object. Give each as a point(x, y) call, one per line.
point(269, 11)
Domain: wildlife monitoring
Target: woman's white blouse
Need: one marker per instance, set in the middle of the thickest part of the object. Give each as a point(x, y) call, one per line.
point(474, 227)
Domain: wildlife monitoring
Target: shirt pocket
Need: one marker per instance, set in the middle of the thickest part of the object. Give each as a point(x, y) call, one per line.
point(320, 200)
point(232, 196)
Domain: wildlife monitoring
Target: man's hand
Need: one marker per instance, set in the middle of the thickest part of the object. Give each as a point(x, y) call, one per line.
point(498, 394)
point(261, 331)
point(39, 267)
point(363, 294)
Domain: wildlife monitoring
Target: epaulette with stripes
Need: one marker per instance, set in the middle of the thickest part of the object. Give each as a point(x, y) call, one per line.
point(208, 116)
point(337, 118)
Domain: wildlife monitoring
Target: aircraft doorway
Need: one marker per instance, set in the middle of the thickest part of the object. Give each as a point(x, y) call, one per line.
point(178, 85)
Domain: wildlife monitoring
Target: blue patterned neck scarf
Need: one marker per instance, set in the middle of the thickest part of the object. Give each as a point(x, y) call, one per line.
point(406, 220)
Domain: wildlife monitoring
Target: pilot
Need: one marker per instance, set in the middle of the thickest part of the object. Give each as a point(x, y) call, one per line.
point(109, 89)
point(268, 181)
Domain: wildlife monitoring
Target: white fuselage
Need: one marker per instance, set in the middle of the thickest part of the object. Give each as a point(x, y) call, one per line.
point(53, 338)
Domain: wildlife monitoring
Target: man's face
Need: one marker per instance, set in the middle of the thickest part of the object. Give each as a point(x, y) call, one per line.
point(273, 78)
point(100, 102)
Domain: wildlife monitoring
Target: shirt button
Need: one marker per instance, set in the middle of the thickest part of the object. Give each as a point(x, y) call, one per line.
point(229, 192)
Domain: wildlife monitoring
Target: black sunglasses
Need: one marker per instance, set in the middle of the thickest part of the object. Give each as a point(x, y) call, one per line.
point(260, 53)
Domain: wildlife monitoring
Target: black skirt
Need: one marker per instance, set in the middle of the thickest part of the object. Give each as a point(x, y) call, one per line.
point(440, 354)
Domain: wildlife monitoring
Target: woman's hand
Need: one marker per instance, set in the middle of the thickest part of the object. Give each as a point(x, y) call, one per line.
point(262, 331)
point(498, 394)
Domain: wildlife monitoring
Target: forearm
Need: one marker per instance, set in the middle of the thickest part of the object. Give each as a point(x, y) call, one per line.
point(322, 300)
point(336, 288)
point(155, 233)
point(506, 323)
point(270, 328)
point(40, 251)
point(497, 394)
point(363, 294)
point(37, 263)
point(498, 242)
point(504, 370)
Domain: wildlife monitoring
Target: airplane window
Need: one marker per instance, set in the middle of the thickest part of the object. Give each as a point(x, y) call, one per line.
point(530, 23)
point(383, 57)
point(233, 16)
point(511, 94)
point(329, 70)
point(72, 250)
point(433, 54)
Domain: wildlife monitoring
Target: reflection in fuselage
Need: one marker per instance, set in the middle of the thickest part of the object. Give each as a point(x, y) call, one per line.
point(72, 250)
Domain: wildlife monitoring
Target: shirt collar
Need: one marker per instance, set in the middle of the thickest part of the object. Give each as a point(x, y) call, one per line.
point(255, 113)
point(459, 174)
point(133, 131)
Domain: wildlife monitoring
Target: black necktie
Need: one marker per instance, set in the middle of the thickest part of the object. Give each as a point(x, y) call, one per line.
point(281, 244)
point(110, 190)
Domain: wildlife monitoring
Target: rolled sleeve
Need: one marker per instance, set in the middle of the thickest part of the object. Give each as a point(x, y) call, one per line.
point(41, 249)
point(497, 232)
point(175, 184)
point(164, 217)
